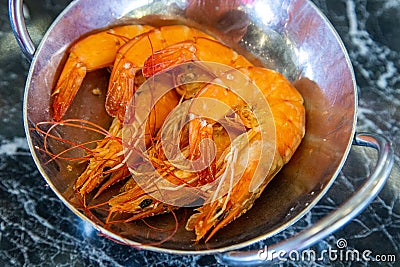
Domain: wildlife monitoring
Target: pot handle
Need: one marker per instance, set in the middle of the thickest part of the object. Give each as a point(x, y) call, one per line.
point(333, 221)
point(16, 15)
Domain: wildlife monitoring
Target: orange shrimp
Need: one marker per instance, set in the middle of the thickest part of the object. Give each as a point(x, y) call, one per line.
point(242, 131)
point(287, 110)
point(286, 105)
point(158, 50)
point(136, 202)
point(109, 153)
point(93, 52)
point(141, 199)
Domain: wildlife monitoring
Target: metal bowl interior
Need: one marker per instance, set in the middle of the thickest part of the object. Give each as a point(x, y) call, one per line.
point(290, 36)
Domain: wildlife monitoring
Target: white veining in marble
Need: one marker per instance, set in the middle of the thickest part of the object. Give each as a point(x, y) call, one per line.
point(16, 146)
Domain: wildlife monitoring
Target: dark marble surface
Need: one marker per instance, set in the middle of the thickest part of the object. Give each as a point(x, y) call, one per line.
point(36, 229)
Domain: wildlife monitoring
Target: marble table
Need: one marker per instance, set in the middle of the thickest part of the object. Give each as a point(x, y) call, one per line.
point(36, 229)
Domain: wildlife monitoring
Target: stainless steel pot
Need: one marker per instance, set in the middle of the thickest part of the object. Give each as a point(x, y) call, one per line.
point(291, 36)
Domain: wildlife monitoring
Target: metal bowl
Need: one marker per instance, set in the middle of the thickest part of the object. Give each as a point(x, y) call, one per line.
point(290, 36)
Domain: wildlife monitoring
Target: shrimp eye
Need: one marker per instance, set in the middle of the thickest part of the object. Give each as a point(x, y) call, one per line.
point(145, 203)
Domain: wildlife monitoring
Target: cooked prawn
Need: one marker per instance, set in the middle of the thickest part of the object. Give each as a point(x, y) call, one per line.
point(288, 113)
point(143, 199)
point(93, 52)
point(240, 195)
point(278, 92)
point(158, 50)
point(232, 178)
point(107, 160)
